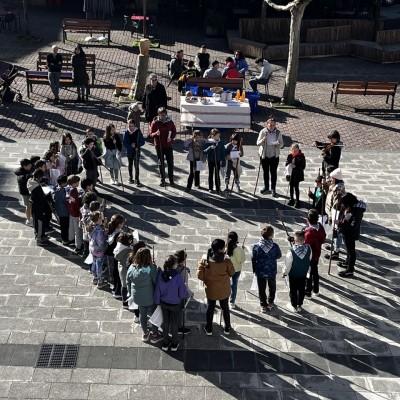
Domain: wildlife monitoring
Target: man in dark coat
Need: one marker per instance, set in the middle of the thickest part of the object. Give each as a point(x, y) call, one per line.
point(154, 97)
point(349, 227)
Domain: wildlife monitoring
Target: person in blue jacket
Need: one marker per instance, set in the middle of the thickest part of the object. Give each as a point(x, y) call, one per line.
point(133, 140)
point(265, 254)
point(241, 64)
point(169, 292)
point(216, 157)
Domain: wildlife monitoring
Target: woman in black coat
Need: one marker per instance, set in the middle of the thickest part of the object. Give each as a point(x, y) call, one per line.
point(81, 78)
point(154, 97)
point(297, 161)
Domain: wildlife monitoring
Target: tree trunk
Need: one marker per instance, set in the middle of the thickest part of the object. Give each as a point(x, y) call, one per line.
point(26, 21)
point(289, 91)
point(377, 18)
point(264, 10)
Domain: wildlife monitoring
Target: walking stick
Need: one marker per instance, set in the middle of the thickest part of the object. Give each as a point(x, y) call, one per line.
point(235, 172)
point(184, 303)
point(259, 165)
point(101, 175)
point(217, 180)
point(309, 198)
point(122, 182)
point(283, 224)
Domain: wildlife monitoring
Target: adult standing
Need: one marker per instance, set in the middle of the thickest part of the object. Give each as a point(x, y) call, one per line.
point(81, 78)
point(270, 141)
point(112, 156)
point(54, 65)
point(176, 66)
point(163, 131)
point(331, 151)
point(263, 77)
point(202, 60)
point(349, 227)
point(155, 97)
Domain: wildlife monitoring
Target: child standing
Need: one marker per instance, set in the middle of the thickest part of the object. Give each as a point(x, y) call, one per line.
point(318, 196)
point(216, 157)
point(141, 280)
point(114, 228)
point(69, 151)
point(133, 140)
point(234, 151)
point(73, 206)
point(237, 257)
point(121, 254)
point(297, 163)
point(195, 146)
point(40, 207)
point(215, 269)
point(97, 245)
point(113, 147)
point(170, 290)
point(314, 236)
point(297, 266)
point(90, 161)
point(87, 199)
point(265, 253)
point(23, 174)
point(60, 200)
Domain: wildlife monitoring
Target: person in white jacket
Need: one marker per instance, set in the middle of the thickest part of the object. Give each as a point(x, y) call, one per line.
point(263, 77)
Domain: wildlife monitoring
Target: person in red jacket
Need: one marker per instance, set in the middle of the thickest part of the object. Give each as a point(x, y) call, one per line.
point(230, 71)
point(163, 131)
point(314, 235)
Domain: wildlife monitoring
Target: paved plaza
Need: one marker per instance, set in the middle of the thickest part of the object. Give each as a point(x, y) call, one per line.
point(345, 343)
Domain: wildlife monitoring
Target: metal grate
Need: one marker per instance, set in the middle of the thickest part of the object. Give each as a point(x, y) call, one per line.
point(57, 356)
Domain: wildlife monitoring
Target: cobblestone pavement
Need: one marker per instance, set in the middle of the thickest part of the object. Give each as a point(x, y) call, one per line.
point(344, 345)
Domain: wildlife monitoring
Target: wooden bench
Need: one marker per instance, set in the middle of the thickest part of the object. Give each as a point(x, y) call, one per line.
point(365, 89)
point(87, 26)
point(41, 62)
point(41, 78)
point(208, 83)
point(120, 87)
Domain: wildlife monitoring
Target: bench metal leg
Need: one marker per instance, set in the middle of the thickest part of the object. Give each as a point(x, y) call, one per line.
point(392, 103)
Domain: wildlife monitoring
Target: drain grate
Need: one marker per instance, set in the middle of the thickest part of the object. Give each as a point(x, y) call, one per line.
point(57, 356)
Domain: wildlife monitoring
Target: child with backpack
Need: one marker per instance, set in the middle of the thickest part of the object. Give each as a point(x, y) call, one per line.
point(297, 267)
point(170, 290)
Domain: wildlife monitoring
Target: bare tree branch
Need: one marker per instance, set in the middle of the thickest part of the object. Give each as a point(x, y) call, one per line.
point(287, 7)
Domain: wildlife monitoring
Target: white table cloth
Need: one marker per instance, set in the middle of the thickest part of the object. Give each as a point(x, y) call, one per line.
point(230, 114)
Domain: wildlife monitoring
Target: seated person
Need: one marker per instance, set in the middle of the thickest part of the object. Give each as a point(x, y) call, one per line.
point(230, 71)
point(190, 72)
point(263, 77)
point(214, 71)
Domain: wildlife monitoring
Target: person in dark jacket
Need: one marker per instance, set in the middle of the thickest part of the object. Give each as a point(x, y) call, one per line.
point(202, 59)
point(90, 161)
point(296, 163)
point(23, 174)
point(331, 151)
point(349, 227)
point(133, 141)
point(54, 65)
point(190, 72)
point(112, 156)
point(60, 203)
point(163, 131)
point(155, 97)
point(176, 65)
point(264, 256)
point(40, 207)
point(169, 291)
point(195, 145)
point(216, 156)
point(81, 78)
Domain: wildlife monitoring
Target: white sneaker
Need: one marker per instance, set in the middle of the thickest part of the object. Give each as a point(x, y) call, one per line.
point(136, 320)
point(232, 306)
point(290, 307)
point(299, 309)
point(29, 222)
point(315, 294)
